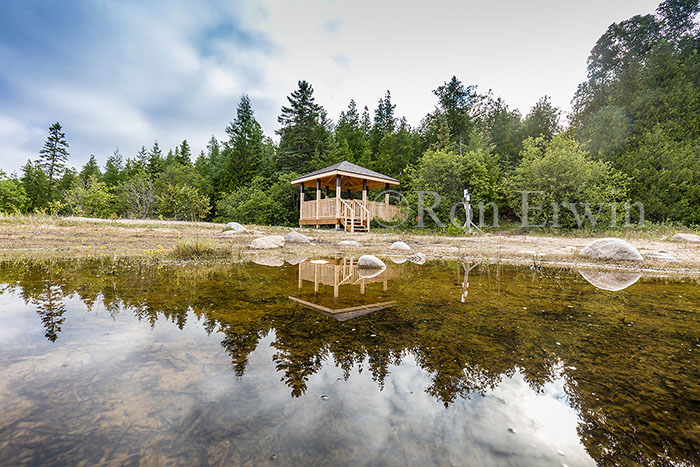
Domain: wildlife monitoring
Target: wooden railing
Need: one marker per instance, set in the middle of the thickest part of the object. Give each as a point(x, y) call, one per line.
point(383, 211)
point(350, 209)
point(326, 209)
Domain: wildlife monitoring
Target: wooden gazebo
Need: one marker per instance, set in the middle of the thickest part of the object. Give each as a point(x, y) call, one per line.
point(355, 215)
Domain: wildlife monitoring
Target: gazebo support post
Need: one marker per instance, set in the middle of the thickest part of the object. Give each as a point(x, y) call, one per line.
point(301, 201)
point(318, 200)
point(337, 201)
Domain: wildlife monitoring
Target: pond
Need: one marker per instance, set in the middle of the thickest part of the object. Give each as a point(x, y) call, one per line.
point(123, 362)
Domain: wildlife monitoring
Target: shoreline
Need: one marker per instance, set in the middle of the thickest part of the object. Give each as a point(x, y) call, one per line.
point(43, 238)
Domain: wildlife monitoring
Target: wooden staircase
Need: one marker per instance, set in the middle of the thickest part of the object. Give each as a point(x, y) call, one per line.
point(354, 225)
point(354, 216)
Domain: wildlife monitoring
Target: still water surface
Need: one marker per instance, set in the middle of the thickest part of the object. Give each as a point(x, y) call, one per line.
point(443, 363)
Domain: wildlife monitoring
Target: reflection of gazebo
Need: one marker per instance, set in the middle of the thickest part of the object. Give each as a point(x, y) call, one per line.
point(342, 273)
point(353, 214)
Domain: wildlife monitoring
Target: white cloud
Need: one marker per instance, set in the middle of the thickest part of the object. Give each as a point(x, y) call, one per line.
point(170, 71)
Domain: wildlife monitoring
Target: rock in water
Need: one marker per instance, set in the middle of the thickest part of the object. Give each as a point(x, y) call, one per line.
point(610, 280)
point(349, 243)
point(267, 242)
point(401, 246)
point(269, 261)
point(417, 258)
point(370, 262)
point(234, 227)
point(611, 249)
point(663, 255)
point(296, 237)
point(686, 238)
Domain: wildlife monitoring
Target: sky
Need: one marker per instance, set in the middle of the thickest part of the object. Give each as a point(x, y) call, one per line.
point(124, 73)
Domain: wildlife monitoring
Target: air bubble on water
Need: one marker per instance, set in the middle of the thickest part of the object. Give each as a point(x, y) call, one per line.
point(324, 397)
point(511, 429)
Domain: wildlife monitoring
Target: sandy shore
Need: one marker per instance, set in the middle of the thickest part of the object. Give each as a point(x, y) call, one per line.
point(46, 237)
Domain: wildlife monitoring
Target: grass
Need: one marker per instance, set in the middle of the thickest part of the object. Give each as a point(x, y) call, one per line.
point(198, 249)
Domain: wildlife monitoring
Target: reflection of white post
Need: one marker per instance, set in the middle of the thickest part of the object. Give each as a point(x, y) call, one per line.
point(315, 277)
point(362, 287)
point(299, 276)
point(465, 283)
point(336, 270)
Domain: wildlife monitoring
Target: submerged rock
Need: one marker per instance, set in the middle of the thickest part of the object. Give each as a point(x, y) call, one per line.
point(417, 258)
point(295, 261)
point(370, 262)
point(610, 280)
point(663, 255)
point(400, 246)
point(612, 249)
point(349, 243)
point(269, 261)
point(686, 238)
point(267, 242)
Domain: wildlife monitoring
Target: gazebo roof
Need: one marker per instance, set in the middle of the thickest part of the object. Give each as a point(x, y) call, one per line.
point(346, 170)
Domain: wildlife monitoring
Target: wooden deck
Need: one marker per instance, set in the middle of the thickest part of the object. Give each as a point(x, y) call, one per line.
point(353, 215)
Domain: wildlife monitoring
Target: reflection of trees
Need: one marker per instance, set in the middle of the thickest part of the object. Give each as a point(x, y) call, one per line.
point(631, 365)
point(49, 305)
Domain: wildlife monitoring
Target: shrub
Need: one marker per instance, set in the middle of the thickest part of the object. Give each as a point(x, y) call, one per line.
point(561, 172)
point(448, 174)
point(183, 202)
point(89, 198)
point(13, 197)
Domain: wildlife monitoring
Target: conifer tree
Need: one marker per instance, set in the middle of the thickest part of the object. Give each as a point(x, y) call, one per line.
point(303, 132)
point(53, 156)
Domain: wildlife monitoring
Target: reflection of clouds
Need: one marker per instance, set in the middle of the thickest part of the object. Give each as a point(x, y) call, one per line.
point(150, 385)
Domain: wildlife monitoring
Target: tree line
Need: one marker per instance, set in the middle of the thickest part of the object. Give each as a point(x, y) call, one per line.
point(633, 135)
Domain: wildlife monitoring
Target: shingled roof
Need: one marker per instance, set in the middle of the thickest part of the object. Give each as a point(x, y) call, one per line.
point(348, 167)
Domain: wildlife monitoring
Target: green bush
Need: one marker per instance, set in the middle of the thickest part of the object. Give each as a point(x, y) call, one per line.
point(559, 172)
point(89, 198)
point(13, 197)
point(448, 174)
point(264, 201)
point(183, 202)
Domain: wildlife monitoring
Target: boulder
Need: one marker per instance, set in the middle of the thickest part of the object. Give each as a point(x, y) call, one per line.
point(686, 238)
point(370, 262)
point(349, 243)
point(295, 261)
point(296, 237)
point(398, 259)
point(234, 227)
point(269, 261)
point(267, 242)
point(400, 246)
point(610, 280)
point(611, 249)
point(662, 255)
point(417, 258)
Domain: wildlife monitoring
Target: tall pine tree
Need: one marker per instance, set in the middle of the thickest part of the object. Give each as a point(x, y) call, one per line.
point(303, 133)
point(243, 152)
point(53, 156)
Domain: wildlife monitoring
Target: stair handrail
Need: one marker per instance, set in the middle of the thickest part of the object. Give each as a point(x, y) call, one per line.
point(367, 213)
point(345, 208)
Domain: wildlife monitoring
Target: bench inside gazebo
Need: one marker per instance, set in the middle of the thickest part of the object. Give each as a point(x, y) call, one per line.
point(354, 215)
